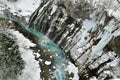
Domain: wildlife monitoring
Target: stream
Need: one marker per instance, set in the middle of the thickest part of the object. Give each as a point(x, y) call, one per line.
point(53, 57)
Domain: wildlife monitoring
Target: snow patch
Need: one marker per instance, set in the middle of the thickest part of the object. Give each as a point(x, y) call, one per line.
point(22, 7)
point(47, 62)
point(32, 68)
point(53, 9)
point(72, 69)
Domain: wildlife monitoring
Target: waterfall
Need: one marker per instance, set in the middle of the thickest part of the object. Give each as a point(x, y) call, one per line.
point(58, 56)
point(86, 30)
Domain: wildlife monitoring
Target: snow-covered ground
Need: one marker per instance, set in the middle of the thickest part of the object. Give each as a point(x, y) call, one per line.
point(32, 68)
point(24, 8)
point(21, 7)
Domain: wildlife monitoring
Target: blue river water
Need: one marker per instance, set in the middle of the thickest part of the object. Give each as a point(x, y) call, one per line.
point(44, 41)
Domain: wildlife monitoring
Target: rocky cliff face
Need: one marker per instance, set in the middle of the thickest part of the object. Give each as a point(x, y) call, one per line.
point(87, 30)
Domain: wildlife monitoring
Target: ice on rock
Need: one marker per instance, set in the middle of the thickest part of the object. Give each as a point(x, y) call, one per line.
point(54, 9)
point(72, 69)
point(84, 29)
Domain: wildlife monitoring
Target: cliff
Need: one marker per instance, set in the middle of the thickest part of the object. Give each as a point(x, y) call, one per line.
point(87, 30)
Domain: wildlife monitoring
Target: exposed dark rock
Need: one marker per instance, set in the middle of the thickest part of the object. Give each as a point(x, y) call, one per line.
point(83, 31)
point(115, 44)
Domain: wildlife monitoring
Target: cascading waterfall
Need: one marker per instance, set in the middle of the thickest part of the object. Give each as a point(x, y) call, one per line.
point(83, 29)
point(87, 30)
point(58, 56)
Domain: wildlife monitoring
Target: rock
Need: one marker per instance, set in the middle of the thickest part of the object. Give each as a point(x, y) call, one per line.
point(115, 44)
point(12, 0)
point(83, 29)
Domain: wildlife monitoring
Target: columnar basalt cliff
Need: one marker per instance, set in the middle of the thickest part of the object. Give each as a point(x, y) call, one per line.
point(87, 30)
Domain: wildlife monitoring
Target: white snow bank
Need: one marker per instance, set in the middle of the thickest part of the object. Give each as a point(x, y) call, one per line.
point(72, 69)
point(32, 68)
point(22, 7)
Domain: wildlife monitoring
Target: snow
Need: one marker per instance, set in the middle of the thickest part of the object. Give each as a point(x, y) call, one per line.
point(72, 69)
point(115, 79)
point(106, 37)
point(22, 7)
point(32, 69)
point(117, 32)
point(53, 9)
point(93, 78)
point(47, 62)
point(89, 24)
point(111, 6)
point(37, 55)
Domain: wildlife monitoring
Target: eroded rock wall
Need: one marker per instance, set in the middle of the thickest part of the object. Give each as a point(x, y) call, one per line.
point(87, 30)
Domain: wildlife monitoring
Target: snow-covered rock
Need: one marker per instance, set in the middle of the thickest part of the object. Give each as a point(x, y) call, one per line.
point(88, 30)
